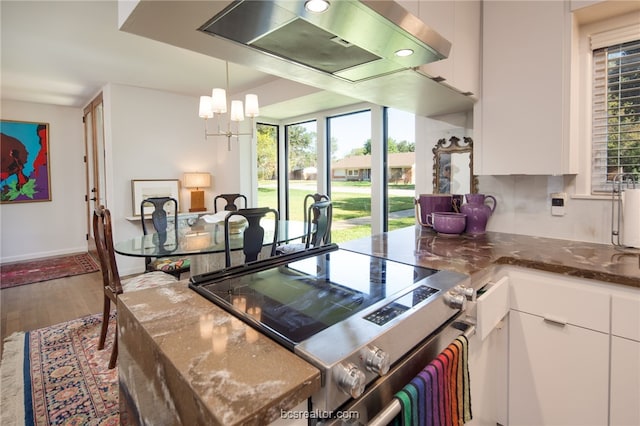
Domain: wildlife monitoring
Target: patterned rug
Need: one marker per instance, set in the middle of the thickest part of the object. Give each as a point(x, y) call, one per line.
point(56, 375)
point(33, 271)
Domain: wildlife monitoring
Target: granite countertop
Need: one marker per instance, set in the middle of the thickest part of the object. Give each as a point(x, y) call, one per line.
point(477, 255)
point(183, 360)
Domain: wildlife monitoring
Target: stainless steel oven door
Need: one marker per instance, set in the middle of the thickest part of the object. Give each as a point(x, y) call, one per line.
point(369, 409)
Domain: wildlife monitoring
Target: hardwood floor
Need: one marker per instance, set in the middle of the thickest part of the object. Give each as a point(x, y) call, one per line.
point(38, 305)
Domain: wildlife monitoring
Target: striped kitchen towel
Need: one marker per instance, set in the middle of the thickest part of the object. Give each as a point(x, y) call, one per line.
point(440, 395)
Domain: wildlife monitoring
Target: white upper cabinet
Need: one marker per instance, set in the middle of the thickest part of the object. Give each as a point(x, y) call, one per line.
point(521, 124)
point(458, 22)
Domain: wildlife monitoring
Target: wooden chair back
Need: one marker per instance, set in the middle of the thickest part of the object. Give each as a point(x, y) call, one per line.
point(231, 202)
point(318, 224)
point(103, 234)
point(159, 216)
point(253, 234)
point(312, 216)
point(160, 220)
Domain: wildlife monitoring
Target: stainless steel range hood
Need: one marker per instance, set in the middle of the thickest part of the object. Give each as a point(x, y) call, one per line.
point(352, 40)
point(262, 41)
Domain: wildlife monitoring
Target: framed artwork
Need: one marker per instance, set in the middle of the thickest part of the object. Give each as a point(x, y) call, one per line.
point(143, 189)
point(25, 174)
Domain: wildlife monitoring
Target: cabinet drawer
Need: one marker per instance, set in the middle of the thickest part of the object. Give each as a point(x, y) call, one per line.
point(492, 306)
point(559, 299)
point(625, 316)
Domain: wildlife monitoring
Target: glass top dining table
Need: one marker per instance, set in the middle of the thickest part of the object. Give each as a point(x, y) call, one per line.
point(201, 239)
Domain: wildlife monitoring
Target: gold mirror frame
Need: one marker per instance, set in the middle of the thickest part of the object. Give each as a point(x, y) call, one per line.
point(442, 158)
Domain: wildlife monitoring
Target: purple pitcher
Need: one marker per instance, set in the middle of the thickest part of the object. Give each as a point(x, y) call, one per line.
point(477, 212)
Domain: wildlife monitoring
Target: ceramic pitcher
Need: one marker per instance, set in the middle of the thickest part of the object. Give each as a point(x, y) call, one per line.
point(477, 212)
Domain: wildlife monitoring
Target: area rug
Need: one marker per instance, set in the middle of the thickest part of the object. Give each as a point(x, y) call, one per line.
point(56, 375)
point(33, 271)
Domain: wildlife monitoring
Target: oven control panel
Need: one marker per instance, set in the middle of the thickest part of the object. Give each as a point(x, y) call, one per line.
point(401, 305)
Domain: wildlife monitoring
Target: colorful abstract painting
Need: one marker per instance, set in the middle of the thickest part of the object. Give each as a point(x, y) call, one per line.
point(24, 162)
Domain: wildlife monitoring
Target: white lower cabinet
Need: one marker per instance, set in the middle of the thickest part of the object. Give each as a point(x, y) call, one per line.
point(625, 382)
point(488, 372)
point(573, 351)
point(625, 359)
point(558, 373)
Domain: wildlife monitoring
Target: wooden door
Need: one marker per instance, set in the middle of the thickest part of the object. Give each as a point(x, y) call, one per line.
point(95, 163)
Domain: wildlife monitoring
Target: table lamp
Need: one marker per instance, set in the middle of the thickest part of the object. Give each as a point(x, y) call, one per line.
point(197, 180)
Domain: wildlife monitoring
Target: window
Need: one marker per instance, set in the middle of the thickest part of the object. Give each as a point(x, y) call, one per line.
point(267, 160)
point(616, 112)
point(302, 166)
point(401, 160)
point(350, 177)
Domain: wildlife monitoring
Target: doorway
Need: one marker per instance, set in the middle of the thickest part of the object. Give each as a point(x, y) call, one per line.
point(93, 119)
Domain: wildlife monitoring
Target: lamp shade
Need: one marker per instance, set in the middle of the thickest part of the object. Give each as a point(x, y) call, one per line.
point(197, 180)
point(236, 111)
point(205, 107)
point(251, 108)
point(219, 101)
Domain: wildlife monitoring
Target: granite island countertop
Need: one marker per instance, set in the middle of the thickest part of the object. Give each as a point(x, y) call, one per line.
point(477, 255)
point(183, 360)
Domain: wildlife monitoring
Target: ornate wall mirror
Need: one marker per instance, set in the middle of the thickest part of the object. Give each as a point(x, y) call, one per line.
point(453, 167)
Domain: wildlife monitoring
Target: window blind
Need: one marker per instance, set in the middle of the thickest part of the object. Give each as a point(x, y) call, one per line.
point(615, 114)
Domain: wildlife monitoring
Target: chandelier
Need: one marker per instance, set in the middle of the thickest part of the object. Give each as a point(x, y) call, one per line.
point(216, 105)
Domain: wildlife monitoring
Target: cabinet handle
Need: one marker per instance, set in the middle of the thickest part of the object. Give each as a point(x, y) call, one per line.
point(554, 320)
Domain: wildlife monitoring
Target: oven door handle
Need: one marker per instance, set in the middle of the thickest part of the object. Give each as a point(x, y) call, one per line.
point(387, 414)
point(392, 409)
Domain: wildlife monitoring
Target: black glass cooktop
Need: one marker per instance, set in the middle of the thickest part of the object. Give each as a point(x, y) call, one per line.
point(291, 300)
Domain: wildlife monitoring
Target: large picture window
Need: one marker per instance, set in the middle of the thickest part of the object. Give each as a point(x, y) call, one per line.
point(350, 178)
point(616, 114)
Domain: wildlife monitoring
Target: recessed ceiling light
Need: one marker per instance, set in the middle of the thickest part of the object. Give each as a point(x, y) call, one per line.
point(316, 6)
point(404, 52)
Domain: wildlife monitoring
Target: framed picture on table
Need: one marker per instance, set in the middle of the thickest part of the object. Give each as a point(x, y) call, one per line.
point(25, 174)
point(141, 189)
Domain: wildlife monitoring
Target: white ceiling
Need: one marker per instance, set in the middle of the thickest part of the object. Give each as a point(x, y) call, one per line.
point(64, 52)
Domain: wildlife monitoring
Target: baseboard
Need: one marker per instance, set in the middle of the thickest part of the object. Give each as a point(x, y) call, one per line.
point(43, 254)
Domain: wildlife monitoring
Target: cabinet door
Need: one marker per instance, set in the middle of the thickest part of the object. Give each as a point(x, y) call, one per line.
point(524, 107)
point(488, 370)
point(558, 374)
point(625, 382)
point(458, 22)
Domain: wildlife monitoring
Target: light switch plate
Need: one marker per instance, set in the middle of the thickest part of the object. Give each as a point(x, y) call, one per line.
point(558, 203)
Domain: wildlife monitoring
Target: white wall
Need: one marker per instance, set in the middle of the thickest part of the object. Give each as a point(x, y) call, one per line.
point(428, 132)
point(149, 134)
point(59, 226)
point(524, 207)
point(158, 135)
point(523, 202)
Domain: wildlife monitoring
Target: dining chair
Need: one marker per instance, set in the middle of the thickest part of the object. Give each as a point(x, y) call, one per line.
point(253, 240)
point(231, 201)
point(318, 217)
point(318, 227)
point(112, 284)
point(174, 265)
